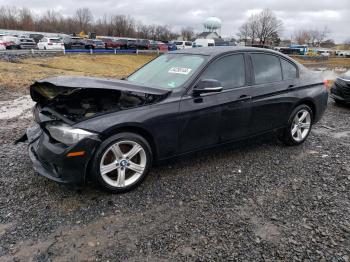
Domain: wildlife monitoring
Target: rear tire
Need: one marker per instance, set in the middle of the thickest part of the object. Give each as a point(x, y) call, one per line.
point(298, 127)
point(339, 102)
point(122, 162)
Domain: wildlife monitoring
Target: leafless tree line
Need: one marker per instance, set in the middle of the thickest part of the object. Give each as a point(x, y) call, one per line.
point(260, 28)
point(82, 21)
point(314, 37)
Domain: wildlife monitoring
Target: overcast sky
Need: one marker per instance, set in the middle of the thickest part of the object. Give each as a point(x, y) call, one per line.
point(308, 14)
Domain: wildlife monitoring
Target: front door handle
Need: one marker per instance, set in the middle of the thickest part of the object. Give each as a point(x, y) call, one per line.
point(244, 98)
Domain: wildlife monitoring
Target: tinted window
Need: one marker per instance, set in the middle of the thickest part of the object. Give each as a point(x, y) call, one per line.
point(267, 68)
point(229, 70)
point(288, 69)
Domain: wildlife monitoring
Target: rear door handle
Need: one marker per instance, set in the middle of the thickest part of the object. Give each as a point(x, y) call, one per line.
point(244, 98)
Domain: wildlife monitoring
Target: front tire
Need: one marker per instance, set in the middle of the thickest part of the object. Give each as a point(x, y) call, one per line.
point(122, 162)
point(299, 126)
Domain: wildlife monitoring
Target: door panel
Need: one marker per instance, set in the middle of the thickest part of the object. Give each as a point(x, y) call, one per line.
point(271, 101)
point(270, 104)
point(200, 119)
point(235, 114)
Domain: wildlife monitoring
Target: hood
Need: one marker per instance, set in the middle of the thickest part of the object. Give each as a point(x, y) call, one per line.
point(78, 82)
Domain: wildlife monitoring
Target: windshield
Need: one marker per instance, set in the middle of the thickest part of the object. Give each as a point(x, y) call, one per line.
point(168, 71)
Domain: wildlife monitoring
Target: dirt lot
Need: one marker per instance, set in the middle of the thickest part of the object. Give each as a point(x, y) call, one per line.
point(253, 202)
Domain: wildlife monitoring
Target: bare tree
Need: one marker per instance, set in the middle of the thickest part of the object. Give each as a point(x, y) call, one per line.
point(108, 24)
point(253, 24)
point(84, 18)
point(301, 37)
point(262, 26)
point(243, 33)
point(25, 19)
point(187, 33)
point(313, 37)
point(268, 25)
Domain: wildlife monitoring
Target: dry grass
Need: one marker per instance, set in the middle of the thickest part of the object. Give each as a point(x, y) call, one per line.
point(20, 75)
point(332, 62)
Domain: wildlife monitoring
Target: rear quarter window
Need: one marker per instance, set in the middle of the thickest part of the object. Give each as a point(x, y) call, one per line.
point(288, 69)
point(267, 68)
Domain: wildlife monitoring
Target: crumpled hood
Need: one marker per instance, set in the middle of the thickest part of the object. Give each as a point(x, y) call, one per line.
point(79, 82)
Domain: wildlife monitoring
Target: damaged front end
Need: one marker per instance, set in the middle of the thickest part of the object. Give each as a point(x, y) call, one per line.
point(73, 99)
point(58, 149)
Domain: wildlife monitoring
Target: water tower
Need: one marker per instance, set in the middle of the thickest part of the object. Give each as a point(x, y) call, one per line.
point(212, 24)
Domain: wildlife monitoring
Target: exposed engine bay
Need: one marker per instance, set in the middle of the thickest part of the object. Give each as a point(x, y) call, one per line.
point(77, 104)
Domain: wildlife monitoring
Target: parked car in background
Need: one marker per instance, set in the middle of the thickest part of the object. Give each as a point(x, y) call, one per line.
point(162, 47)
point(27, 43)
point(158, 45)
point(131, 44)
point(344, 53)
point(183, 44)
point(36, 37)
point(50, 43)
point(340, 90)
point(181, 102)
point(171, 46)
point(94, 44)
point(74, 42)
point(204, 42)
point(143, 44)
point(10, 42)
point(111, 43)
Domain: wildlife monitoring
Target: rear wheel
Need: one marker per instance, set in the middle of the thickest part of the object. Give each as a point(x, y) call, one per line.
point(339, 102)
point(299, 126)
point(122, 162)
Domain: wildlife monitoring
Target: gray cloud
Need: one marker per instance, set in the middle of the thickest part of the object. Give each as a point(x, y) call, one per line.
point(311, 14)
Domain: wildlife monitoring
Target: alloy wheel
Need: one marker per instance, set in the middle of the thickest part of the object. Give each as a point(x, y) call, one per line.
point(123, 164)
point(301, 125)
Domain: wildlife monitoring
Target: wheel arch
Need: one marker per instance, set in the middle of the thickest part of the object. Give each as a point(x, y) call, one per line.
point(137, 130)
point(310, 103)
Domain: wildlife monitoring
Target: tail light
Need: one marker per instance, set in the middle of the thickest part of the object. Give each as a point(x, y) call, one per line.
point(326, 83)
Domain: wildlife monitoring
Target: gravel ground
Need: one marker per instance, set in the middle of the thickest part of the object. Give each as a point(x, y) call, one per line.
point(261, 201)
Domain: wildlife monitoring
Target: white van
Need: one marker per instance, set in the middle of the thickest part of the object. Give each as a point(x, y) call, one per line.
point(203, 42)
point(183, 44)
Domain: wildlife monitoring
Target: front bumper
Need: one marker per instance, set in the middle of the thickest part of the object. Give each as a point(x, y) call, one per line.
point(50, 158)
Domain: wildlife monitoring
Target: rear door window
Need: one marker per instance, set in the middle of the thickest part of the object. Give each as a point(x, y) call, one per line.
point(288, 69)
point(229, 70)
point(267, 68)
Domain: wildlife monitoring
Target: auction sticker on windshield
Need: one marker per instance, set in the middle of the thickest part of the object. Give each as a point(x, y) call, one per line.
point(180, 70)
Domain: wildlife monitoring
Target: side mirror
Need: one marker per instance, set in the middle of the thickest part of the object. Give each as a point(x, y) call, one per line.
point(207, 86)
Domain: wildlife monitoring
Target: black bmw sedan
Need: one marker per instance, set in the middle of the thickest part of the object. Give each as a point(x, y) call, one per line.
point(340, 91)
point(111, 131)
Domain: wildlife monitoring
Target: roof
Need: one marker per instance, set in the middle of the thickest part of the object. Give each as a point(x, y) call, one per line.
point(217, 50)
point(205, 34)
